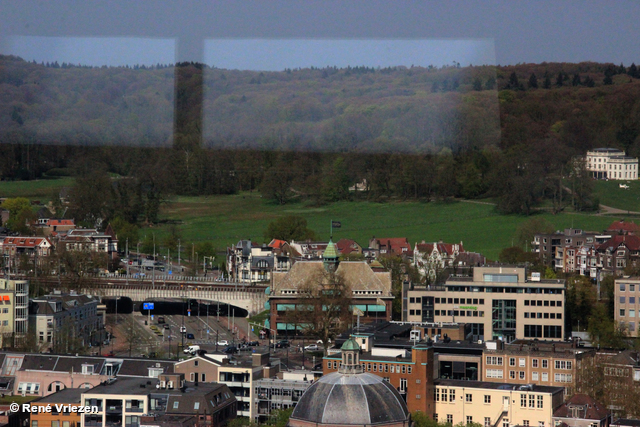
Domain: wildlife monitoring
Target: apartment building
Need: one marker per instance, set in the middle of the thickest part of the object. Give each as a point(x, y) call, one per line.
point(611, 163)
point(169, 400)
point(280, 393)
point(542, 363)
point(412, 376)
point(550, 247)
point(627, 304)
point(66, 322)
point(239, 373)
point(497, 302)
point(43, 417)
point(495, 404)
point(14, 311)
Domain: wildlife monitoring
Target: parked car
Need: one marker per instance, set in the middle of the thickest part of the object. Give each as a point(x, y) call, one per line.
point(230, 350)
point(183, 329)
point(160, 320)
point(320, 341)
point(254, 343)
point(312, 347)
point(223, 342)
point(317, 367)
point(190, 336)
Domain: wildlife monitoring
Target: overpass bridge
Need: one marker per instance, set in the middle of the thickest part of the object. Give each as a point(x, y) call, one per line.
point(250, 297)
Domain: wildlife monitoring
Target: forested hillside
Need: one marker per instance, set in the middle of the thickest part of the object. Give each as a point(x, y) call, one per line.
point(408, 132)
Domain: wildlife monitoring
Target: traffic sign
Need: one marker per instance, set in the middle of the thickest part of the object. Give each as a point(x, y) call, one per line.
point(147, 306)
point(170, 272)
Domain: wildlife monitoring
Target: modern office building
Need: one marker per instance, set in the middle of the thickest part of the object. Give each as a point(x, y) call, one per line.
point(501, 302)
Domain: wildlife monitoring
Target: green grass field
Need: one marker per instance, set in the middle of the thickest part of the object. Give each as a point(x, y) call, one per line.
point(37, 189)
point(224, 220)
point(611, 194)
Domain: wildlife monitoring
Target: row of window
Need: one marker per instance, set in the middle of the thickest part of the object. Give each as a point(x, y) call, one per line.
point(461, 313)
point(535, 401)
point(487, 421)
point(540, 331)
point(376, 367)
point(459, 301)
point(632, 287)
point(535, 363)
point(539, 303)
point(631, 313)
point(631, 300)
point(528, 315)
point(631, 326)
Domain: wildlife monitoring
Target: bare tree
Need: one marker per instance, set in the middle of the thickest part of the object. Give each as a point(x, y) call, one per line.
point(323, 310)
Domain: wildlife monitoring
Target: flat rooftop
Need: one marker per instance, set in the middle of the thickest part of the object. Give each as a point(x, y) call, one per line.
point(497, 386)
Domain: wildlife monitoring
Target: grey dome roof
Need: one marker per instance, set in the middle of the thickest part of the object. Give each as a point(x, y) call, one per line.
point(360, 399)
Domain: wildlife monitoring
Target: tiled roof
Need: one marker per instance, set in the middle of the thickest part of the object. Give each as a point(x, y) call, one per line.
point(346, 246)
point(588, 408)
point(624, 226)
point(444, 248)
point(26, 242)
point(629, 240)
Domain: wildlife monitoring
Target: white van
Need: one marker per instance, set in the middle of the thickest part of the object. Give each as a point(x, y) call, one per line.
point(192, 349)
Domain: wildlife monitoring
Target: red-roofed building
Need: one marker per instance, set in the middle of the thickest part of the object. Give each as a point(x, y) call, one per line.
point(55, 226)
point(623, 227)
point(431, 258)
point(581, 410)
point(348, 246)
point(277, 243)
point(391, 245)
point(619, 252)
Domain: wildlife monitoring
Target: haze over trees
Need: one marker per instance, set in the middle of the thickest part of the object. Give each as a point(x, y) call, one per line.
point(423, 133)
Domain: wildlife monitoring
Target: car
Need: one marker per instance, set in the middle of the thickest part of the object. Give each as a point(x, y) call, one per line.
point(283, 344)
point(254, 343)
point(223, 342)
point(312, 347)
point(160, 320)
point(318, 367)
point(320, 341)
point(190, 336)
point(230, 350)
point(166, 326)
point(183, 329)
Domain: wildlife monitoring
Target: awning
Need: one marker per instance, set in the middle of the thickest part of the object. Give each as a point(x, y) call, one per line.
point(5, 298)
point(287, 326)
point(382, 308)
point(267, 305)
point(283, 307)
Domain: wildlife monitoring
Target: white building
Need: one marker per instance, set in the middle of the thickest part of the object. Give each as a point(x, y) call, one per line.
point(611, 163)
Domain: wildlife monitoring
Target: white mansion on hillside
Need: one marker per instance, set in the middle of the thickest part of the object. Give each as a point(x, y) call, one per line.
point(611, 163)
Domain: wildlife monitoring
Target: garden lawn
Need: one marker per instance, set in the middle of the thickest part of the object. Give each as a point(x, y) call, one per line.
point(610, 194)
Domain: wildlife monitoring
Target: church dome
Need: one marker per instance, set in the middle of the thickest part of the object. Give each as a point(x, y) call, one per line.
point(353, 399)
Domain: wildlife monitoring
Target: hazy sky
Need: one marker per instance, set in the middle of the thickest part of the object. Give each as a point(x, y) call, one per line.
point(277, 34)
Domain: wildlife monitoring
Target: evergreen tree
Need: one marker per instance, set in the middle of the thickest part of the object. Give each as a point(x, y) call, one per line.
point(477, 84)
point(491, 83)
point(513, 81)
point(560, 79)
point(546, 84)
point(608, 80)
point(633, 71)
point(589, 82)
point(576, 80)
point(533, 81)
